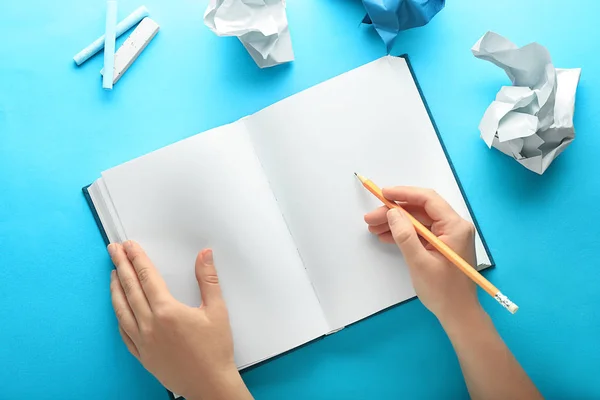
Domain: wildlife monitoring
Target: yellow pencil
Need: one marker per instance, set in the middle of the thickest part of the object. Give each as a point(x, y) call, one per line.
point(444, 249)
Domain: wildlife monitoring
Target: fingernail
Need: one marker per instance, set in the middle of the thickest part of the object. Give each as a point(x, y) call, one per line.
point(207, 257)
point(113, 275)
point(128, 245)
point(112, 248)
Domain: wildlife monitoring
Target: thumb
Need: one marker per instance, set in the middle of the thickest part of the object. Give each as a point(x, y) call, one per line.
point(405, 235)
point(208, 281)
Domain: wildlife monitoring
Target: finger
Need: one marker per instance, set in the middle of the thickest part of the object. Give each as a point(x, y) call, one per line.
point(379, 229)
point(434, 205)
point(383, 231)
point(386, 238)
point(379, 215)
point(129, 343)
point(208, 281)
point(130, 283)
point(418, 212)
point(121, 306)
point(405, 236)
point(153, 285)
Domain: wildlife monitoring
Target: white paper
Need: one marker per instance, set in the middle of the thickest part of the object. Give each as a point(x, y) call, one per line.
point(261, 26)
point(531, 121)
point(372, 121)
point(210, 191)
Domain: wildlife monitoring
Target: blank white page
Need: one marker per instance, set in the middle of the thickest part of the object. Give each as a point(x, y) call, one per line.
point(210, 191)
point(370, 120)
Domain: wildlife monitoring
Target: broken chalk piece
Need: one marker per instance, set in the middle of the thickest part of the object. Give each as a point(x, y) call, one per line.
point(109, 43)
point(133, 46)
point(122, 27)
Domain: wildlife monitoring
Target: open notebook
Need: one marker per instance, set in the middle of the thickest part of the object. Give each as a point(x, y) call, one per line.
point(274, 194)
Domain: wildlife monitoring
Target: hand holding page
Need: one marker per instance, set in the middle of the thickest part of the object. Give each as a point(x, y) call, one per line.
point(261, 26)
point(531, 121)
point(186, 197)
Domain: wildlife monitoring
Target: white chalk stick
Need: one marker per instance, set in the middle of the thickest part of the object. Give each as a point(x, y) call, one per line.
point(122, 27)
point(133, 46)
point(109, 43)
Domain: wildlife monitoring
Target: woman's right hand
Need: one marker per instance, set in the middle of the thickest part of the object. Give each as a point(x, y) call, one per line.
point(443, 288)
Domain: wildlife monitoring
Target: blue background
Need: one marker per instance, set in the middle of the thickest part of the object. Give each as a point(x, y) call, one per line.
point(59, 130)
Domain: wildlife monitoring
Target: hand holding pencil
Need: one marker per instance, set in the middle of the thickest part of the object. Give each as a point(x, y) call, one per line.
point(433, 239)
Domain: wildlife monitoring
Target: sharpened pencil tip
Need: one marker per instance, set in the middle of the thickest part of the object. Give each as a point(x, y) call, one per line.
point(360, 177)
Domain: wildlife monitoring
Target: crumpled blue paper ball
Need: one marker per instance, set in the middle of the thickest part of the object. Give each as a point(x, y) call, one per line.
point(389, 17)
